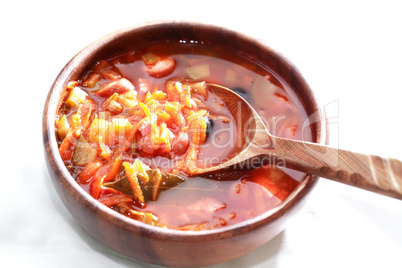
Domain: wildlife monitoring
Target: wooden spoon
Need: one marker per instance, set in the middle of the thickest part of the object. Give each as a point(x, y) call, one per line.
point(257, 147)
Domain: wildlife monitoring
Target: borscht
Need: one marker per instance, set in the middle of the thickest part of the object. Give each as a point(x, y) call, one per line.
point(134, 128)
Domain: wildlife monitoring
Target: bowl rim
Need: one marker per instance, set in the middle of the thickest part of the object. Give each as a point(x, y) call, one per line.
point(50, 109)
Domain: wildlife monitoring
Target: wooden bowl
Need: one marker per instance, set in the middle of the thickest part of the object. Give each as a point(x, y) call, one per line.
point(152, 244)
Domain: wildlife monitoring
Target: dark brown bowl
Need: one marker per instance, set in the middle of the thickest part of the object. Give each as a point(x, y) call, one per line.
point(153, 244)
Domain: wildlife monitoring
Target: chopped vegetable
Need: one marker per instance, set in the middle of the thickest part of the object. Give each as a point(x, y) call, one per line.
point(95, 187)
point(62, 127)
point(133, 182)
point(144, 217)
point(119, 86)
point(84, 152)
point(105, 173)
point(92, 80)
point(110, 74)
point(140, 168)
point(76, 127)
point(171, 108)
point(102, 65)
point(146, 110)
point(105, 151)
point(86, 174)
point(99, 128)
point(67, 146)
point(199, 88)
point(159, 96)
point(161, 68)
point(120, 125)
point(128, 99)
point(113, 200)
point(86, 111)
point(150, 58)
point(112, 105)
point(115, 167)
point(158, 182)
point(197, 72)
point(77, 96)
point(185, 96)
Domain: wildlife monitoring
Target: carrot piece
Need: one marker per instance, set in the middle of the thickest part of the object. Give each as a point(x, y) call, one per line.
point(199, 88)
point(133, 181)
point(177, 118)
point(185, 97)
point(165, 137)
point(104, 174)
point(130, 134)
point(146, 109)
point(173, 91)
point(144, 217)
point(110, 74)
point(67, 146)
point(128, 99)
point(140, 168)
point(114, 171)
point(191, 159)
point(92, 79)
point(163, 116)
point(148, 97)
point(76, 127)
point(172, 106)
point(112, 200)
point(89, 170)
point(159, 96)
point(96, 186)
point(102, 65)
point(88, 109)
point(112, 97)
point(157, 183)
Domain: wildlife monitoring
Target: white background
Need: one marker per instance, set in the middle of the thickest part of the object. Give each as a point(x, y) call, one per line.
point(349, 51)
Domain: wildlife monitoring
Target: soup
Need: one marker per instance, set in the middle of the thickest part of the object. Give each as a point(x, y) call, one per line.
point(135, 127)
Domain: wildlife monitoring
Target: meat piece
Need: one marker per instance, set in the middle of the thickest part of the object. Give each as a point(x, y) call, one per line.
point(119, 86)
point(162, 68)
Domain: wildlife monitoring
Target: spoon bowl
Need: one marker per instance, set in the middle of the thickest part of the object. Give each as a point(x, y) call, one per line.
point(257, 147)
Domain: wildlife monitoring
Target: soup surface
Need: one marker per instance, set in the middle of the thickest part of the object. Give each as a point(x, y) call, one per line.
point(134, 127)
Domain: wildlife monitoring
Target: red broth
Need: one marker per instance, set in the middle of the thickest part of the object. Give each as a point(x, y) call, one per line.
point(197, 203)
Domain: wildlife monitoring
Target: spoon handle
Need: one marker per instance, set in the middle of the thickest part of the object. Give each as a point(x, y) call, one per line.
point(369, 172)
